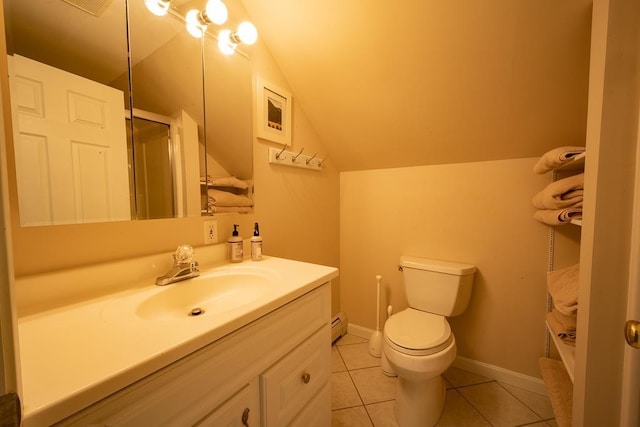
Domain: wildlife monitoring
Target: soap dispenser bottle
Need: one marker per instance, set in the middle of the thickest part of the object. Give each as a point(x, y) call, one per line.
point(235, 245)
point(256, 244)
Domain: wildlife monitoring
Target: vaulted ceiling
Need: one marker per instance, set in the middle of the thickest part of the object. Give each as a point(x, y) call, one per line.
point(418, 82)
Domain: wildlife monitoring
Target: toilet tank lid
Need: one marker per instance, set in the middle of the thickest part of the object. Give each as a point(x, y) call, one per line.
point(440, 266)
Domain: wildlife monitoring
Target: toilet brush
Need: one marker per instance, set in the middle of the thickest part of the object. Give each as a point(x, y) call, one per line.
point(375, 342)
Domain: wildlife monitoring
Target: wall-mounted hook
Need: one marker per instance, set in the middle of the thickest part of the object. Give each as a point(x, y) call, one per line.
point(280, 153)
point(293, 159)
point(308, 161)
point(320, 162)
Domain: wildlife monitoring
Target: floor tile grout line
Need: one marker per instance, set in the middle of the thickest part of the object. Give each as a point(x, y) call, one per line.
point(473, 406)
point(521, 401)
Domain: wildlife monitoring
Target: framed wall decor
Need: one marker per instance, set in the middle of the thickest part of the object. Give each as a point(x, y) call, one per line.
point(273, 112)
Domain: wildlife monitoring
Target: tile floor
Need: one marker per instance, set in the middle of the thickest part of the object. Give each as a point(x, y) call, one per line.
point(363, 396)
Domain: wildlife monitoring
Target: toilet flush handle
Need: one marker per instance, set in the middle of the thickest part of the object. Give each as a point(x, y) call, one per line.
point(400, 268)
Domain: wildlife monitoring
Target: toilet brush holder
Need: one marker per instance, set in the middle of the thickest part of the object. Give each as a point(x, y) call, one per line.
point(375, 342)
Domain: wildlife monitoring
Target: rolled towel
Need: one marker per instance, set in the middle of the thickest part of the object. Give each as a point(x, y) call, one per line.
point(225, 198)
point(557, 216)
point(564, 193)
point(555, 158)
point(563, 286)
point(562, 326)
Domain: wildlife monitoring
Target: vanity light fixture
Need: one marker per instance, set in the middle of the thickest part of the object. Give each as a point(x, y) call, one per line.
point(197, 21)
point(158, 7)
point(214, 12)
point(228, 41)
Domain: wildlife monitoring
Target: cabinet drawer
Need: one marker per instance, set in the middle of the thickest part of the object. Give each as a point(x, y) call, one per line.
point(294, 380)
point(243, 409)
point(318, 412)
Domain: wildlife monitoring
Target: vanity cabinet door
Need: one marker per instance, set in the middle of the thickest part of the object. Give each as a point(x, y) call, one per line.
point(241, 410)
point(289, 385)
point(316, 413)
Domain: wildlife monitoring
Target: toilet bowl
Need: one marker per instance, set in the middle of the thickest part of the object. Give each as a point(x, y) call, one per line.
point(418, 343)
point(419, 347)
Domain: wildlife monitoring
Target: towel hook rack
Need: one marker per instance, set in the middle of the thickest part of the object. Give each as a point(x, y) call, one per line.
point(298, 160)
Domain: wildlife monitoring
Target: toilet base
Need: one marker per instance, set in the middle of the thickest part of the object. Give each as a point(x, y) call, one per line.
point(419, 403)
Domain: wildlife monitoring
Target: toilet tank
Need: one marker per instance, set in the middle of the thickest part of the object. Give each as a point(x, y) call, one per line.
point(435, 286)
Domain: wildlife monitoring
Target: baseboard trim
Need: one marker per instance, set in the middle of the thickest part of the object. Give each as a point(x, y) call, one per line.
point(535, 385)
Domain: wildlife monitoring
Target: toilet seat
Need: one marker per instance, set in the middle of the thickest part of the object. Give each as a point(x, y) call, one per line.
point(417, 333)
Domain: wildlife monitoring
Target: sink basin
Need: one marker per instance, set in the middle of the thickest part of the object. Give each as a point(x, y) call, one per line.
point(212, 293)
point(215, 293)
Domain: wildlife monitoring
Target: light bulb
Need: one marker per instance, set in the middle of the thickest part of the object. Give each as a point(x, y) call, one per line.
point(158, 7)
point(225, 44)
point(216, 12)
point(247, 32)
point(193, 24)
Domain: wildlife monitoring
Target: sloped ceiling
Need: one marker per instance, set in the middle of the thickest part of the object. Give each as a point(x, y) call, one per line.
point(418, 82)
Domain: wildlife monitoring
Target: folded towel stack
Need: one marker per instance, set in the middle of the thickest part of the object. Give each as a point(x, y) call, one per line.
point(219, 201)
point(560, 201)
point(563, 286)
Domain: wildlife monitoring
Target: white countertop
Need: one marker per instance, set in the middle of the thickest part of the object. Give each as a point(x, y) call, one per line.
point(75, 355)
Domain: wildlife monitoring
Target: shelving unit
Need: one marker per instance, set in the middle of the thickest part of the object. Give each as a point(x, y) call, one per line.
point(567, 353)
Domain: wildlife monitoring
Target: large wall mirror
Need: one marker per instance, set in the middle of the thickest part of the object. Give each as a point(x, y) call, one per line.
point(110, 128)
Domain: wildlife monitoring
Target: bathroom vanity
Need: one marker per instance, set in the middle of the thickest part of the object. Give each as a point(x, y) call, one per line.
point(257, 353)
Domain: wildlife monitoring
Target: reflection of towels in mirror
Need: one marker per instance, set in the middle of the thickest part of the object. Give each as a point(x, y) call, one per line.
point(225, 198)
point(556, 158)
point(563, 286)
point(226, 181)
point(564, 193)
point(230, 209)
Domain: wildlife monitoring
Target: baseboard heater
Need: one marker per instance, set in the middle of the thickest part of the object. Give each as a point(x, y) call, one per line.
point(338, 326)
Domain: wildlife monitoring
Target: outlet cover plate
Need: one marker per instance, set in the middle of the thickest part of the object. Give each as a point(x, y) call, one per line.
point(210, 231)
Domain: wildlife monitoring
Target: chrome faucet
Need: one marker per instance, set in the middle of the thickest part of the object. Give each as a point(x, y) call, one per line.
point(183, 267)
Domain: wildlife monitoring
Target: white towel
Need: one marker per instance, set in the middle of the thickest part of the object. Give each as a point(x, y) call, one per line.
point(557, 157)
point(230, 209)
point(225, 181)
point(225, 198)
point(563, 286)
point(564, 193)
point(557, 216)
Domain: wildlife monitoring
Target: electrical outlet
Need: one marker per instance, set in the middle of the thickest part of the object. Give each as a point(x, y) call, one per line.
point(210, 231)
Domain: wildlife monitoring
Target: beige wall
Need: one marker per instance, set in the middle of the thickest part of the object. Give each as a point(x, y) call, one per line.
point(297, 209)
point(477, 213)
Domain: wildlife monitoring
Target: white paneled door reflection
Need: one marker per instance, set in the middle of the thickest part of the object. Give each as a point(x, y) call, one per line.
point(70, 146)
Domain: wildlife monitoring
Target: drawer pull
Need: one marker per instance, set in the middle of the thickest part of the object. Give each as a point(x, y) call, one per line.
point(245, 417)
point(306, 377)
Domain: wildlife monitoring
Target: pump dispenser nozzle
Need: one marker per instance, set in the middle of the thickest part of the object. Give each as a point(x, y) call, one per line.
point(235, 230)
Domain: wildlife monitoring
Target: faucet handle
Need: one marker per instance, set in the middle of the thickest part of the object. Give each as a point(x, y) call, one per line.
point(183, 255)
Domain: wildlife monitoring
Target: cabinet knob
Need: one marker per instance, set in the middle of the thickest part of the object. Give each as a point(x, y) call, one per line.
point(306, 377)
point(245, 417)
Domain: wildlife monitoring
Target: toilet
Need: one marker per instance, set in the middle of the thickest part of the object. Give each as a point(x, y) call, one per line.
point(418, 342)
